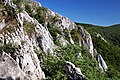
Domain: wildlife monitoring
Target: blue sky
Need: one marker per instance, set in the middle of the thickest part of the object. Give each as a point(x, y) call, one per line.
point(99, 12)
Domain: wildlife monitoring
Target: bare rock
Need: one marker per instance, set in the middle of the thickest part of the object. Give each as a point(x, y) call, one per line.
point(102, 64)
point(9, 69)
point(87, 40)
point(73, 73)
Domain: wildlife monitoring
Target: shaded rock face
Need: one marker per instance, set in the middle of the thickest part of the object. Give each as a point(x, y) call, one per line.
point(8, 78)
point(73, 73)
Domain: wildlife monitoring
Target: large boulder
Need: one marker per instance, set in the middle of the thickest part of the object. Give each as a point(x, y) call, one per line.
point(73, 73)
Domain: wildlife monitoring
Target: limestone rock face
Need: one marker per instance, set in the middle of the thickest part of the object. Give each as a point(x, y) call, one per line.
point(73, 73)
point(102, 64)
point(87, 40)
point(62, 41)
point(24, 64)
point(43, 36)
point(62, 22)
point(10, 68)
point(25, 58)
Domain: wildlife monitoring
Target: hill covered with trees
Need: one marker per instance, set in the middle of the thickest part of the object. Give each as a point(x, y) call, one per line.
point(107, 44)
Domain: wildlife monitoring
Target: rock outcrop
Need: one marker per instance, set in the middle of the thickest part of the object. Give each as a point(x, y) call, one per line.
point(73, 73)
point(100, 36)
point(61, 21)
point(29, 35)
point(102, 64)
point(87, 40)
point(25, 57)
point(10, 68)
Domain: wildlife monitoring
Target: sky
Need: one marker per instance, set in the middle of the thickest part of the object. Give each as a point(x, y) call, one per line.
point(98, 12)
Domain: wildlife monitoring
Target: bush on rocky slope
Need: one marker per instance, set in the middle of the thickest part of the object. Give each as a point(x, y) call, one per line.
point(66, 34)
point(53, 65)
point(29, 29)
point(54, 31)
point(8, 48)
point(40, 15)
point(75, 35)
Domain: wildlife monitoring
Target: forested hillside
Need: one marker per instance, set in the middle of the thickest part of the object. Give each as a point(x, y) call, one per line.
point(110, 33)
point(107, 44)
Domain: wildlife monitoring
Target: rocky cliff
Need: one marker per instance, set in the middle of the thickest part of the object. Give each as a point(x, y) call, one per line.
point(25, 29)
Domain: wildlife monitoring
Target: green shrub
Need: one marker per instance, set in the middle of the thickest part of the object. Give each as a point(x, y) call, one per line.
point(10, 29)
point(8, 48)
point(11, 12)
point(28, 9)
point(57, 42)
point(55, 18)
point(75, 35)
point(29, 29)
point(41, 15)
point(19, 4)
point(53, 65)
point(53, 68)
point(66, 34)
point(54, 31)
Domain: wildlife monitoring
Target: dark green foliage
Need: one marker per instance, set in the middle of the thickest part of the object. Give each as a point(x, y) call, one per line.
point(54, 31)
point(19, 4)
point(53, 65)
point(111, 54)
point(109, 51)
point(11, 12)
point(9, 29)
point(110, 33)
point(66, 34)
point(0, 1)
point(29, 29)
point(28, 9)
point(75, 35)
point(41, 15)
point(55, 18)
point(53, 68)
point(8, 48)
